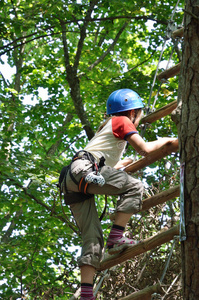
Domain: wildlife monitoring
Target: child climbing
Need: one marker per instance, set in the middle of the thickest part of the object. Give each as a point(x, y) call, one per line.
point(98, 170)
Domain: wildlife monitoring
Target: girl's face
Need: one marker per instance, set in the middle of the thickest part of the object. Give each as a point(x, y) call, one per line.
point(138, 117)
point(135, 116)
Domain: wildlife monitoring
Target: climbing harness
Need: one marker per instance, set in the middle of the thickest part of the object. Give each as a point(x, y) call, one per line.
point(92, 176)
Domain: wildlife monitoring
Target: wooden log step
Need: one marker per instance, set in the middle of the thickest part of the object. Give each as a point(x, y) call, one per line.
point(178, 33)
point(171, 72)
point(160, 198)
point(164, 236)
point(157, 199)
point(152, 157)
point(160, 113)
point(146, 293)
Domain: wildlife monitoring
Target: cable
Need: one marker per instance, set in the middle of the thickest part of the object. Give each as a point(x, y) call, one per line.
point(167, 36)
point(168, 261)
point(163, 80)
point(166, 266)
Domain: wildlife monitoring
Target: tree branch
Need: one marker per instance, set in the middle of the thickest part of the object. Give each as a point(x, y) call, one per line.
point(48, 208)
point(73, 81)
point(143, 62)
point(4, 80)
point(83, 33)
point(163, 22)
point(51, 151)
point(66, 53)
point(11, 227)
point(109, 48)
point(100, 59)
point(24, 42)
point(51, 210)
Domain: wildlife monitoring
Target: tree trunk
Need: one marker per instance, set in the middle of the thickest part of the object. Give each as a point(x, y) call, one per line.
point(189, 146)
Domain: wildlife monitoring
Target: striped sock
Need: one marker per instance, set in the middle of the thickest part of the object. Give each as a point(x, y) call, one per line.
point(87, 291)
point(115, 234)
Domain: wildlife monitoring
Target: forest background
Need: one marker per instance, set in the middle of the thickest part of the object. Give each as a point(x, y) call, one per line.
point(66, 59)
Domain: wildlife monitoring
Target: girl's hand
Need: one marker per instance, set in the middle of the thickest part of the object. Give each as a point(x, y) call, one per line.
point(123, 163)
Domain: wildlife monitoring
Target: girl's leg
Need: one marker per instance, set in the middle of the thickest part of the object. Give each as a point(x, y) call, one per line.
point(121, 218)
point(130, 192)
point(87, 274)
point(87, 219)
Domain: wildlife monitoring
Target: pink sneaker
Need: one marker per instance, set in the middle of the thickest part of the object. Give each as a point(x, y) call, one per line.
point(93, 298)
point(83, 298)
point(121, 244)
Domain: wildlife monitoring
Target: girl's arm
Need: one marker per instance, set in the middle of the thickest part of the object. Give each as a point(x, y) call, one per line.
point(144, 148)
point(123, 163)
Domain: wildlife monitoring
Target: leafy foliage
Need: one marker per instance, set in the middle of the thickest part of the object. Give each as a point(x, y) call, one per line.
point(67, 57)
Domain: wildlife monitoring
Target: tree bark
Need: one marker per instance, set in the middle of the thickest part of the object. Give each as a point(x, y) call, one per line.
point(189, 145)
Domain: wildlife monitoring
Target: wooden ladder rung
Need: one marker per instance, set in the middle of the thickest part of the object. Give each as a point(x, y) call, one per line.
point(164, 236)
point(171, 72)
point(178, 33)
point(161, 198)
point(160, 113)
point(157, 199)
point(145, 293)
point(152, 157)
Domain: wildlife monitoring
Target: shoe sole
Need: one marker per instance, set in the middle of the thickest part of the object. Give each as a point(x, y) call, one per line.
point(118, 249)
point(121, 248)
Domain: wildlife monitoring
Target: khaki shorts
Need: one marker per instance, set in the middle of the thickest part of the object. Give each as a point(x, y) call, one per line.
point(119, 183)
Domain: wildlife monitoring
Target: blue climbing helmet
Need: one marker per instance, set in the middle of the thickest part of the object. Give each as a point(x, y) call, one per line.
point(123, 100)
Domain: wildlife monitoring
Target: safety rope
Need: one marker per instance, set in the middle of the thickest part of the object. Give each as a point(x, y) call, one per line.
point(173, 282)
point(163, 80)
point(155, 76)
point(103, 276)
point(168, 260)
point(170, 28)
point(169, 31)
point(168, 36)
point(154, 296)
